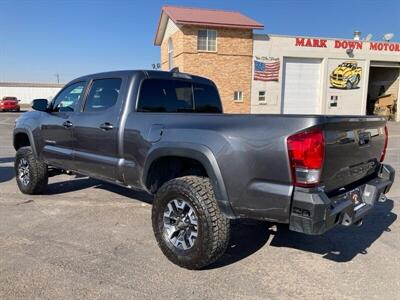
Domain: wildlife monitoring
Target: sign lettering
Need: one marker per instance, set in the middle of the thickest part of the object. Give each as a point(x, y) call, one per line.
point(346, 44)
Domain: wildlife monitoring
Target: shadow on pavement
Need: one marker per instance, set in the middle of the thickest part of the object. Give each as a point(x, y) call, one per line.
point(6, 174)
point(80, 183)
point(6, 160)
point(247, 237)
point(341, 244)
point(76, 183)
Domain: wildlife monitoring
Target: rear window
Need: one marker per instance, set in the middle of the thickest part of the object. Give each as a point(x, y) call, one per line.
point(206, 98)
point(163, 95)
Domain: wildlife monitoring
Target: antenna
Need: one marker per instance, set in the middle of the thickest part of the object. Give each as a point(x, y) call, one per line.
point(388, 36)
point(369, 37)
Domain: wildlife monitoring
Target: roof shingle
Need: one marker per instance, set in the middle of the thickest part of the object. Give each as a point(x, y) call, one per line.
point(203, 17)
point(200, 16)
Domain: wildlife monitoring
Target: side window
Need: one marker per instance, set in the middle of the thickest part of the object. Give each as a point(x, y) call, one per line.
point(163, 95)
point(238, 96)
point(261, 96)
point(103, 94)
point(206, 99)
point(69, 97)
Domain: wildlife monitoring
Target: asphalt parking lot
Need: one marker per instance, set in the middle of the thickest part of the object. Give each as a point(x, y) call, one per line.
point(89, 240)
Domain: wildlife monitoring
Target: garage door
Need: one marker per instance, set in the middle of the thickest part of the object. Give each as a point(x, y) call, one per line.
point(301, 86)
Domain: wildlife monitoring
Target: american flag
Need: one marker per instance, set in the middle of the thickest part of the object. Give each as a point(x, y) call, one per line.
point(266, 71)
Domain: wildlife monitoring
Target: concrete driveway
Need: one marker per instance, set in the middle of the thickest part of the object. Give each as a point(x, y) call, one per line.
point(89, 240)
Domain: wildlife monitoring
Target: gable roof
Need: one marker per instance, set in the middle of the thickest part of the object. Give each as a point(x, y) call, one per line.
point(202, 17)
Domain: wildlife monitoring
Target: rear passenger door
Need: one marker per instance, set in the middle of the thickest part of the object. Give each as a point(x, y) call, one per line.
point(95, 129)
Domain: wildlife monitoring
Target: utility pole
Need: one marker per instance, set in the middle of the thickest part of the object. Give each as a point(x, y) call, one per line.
point(58, 77)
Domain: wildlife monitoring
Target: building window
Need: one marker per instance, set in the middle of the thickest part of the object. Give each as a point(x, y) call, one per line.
point(207, 40)
point(170, 54)
point(238, 96)
point(261, 97)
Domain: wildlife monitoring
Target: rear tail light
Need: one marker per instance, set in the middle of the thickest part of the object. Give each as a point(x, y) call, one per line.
point(385, 145)
point(306, 154)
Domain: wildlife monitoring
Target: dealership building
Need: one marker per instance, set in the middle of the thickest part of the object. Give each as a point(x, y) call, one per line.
point(266, 73)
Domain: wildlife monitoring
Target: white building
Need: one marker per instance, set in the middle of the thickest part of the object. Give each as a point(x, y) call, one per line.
point(323, 75)
point(26, 92)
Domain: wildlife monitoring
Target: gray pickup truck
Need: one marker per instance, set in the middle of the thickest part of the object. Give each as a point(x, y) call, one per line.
point(165, 132)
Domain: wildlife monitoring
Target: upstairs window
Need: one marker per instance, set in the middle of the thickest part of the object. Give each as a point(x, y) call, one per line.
point(170, 54)
point(207, 40)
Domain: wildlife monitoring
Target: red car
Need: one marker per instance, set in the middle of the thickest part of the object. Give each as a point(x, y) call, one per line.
point(9, 104)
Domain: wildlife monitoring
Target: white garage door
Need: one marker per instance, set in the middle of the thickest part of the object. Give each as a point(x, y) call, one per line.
point(301, 86)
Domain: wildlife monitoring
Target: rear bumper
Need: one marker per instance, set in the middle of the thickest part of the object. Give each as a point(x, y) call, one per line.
point(315, 213)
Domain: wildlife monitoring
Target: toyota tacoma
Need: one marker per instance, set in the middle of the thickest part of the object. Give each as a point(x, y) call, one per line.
point(166, 133)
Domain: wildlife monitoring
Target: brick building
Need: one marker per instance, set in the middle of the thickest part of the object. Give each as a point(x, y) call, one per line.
point(265, 73)
point(211, 43)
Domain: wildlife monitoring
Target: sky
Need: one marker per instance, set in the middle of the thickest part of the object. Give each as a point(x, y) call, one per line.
point(42, 38)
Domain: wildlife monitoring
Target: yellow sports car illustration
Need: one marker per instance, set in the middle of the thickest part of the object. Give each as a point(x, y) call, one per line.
point(347, 75)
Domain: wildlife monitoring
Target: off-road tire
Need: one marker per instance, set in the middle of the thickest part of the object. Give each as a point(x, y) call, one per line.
point(38, 177)
point(213, 227)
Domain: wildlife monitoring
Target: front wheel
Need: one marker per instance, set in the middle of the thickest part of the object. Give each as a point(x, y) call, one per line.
point(189, 227)
point(31, 174)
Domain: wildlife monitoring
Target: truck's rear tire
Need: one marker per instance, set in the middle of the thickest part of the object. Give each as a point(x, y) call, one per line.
point(31, 174)
point(189, 227)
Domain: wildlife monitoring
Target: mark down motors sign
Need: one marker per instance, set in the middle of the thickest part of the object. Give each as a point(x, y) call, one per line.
point(346, 44)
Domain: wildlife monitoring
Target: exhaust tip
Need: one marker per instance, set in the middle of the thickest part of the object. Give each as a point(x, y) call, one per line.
point(382, 198)
point(359, 223)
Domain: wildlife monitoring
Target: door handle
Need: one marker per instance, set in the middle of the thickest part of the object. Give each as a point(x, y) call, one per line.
point(106, 126)
point(67, 124)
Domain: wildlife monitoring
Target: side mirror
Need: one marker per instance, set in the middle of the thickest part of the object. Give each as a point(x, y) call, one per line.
point(40, 104)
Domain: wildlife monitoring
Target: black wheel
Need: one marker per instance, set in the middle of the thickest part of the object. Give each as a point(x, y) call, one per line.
point(31, 174)
point(188, 225)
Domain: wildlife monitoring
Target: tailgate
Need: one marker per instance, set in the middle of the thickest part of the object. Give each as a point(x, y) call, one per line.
point(353, 147)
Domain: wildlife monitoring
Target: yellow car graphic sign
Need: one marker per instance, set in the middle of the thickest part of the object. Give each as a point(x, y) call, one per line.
point(347, 75)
